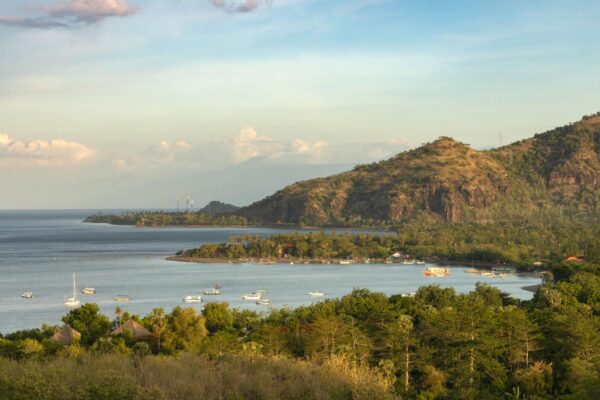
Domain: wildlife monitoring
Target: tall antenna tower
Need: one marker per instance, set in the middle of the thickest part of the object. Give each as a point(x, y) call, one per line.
point(187, 202)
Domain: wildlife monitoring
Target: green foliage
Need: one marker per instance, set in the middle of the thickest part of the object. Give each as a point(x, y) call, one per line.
point(437, 344)
point(163, 218)
point(89, 322)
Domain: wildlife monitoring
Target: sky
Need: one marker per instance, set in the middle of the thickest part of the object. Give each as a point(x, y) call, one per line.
point(129, 103)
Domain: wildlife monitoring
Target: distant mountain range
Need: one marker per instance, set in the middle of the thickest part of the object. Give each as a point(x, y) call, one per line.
point(555, 171)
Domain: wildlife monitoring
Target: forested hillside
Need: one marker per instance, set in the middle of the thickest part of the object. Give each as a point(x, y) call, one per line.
point(553, 173)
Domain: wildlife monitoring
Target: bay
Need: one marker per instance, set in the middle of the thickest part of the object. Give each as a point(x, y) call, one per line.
point(40, 250)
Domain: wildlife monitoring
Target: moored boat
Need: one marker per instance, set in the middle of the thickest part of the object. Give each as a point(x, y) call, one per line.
point(27, 295)
point(192, 299)
point(263, 302)
point(437, 271)
point(316, 294)
point(88, 290)
point(253, 296)
point(213, 291)
point(121, 297)
point(72, 301)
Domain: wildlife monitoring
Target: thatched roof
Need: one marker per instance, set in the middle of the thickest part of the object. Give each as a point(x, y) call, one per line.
point(135, 329)
point(66, 335)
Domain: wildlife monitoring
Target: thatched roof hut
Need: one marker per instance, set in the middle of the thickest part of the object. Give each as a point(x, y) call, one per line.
point(134, 328)
point(66, 335)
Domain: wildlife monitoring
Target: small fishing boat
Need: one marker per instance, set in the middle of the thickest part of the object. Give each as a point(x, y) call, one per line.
point(27, 295)
point(420, 262)
point(192, 299)
point(253, 296)
point(345, 262)
point(121, 297)
point(72, 301)
point(213, 291)
point(316, 294)
point(88, 290)
point(437, 272)
point(261, 292)
point(408, 262)
point(263, 302)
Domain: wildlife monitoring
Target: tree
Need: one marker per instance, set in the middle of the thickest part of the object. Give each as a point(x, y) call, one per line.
point(89, 322)
point(218, 317)
point(185, 330)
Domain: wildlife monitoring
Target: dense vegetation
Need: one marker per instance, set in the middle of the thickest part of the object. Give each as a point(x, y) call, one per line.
point(166, 218)
point(556, 171)
point(435, 345)
point(518, 244)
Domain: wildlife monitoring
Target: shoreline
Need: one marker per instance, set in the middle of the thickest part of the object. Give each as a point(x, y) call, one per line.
point(282, 226)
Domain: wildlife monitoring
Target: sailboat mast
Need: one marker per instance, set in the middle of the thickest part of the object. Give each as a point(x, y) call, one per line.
point(74, 287)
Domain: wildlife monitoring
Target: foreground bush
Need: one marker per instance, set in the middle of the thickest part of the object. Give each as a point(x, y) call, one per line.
point(117, 377)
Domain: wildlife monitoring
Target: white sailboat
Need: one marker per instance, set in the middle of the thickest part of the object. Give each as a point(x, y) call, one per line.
point(72, 301)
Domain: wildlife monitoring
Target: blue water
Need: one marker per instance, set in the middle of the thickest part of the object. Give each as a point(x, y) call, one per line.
point(39, 251)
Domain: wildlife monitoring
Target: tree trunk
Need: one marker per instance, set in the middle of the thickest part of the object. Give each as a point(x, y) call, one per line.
point(406, 372)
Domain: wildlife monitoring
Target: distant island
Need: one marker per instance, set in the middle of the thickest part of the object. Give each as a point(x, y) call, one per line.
point(214, 213)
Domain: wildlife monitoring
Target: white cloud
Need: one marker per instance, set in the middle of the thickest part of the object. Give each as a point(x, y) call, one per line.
point(91, 11)
point(55, 152)
point(72, 13)
point(240, 6)
point(250, 146)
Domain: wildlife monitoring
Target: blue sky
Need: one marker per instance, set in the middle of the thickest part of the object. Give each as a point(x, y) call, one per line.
point(97, 96)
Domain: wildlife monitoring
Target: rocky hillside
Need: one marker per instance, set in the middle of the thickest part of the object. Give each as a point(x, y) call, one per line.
point(559, 169)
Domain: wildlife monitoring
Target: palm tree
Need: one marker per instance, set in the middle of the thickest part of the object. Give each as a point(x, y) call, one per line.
point(118, 314)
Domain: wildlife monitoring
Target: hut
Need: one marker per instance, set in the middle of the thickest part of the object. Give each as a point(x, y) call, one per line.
point(66, 335)
point(135, 329)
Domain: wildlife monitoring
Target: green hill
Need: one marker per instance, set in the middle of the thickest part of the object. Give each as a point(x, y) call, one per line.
point(555, 172)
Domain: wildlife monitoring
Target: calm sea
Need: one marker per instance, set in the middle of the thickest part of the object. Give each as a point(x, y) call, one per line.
point(40, 250)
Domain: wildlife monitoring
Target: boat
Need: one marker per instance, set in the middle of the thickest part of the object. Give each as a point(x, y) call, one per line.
point(121, 297)
point(408, 262)
point(420, 262)
point(72, 301)
point(213, 291)
point(27, 295)
point(192, 299)
point(473, 271)
point(263, 302)
point(88, 290)
point(345, 262)
point(262, 292)
point(252, 297)
point(316, 294)
point(437, 271)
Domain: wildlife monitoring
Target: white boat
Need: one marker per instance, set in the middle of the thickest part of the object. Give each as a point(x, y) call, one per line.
point(262, 292)
point(408, 262)
point(121, 297)
point(316, 294)
point(253, 296)
point(420, 262)
point(72, 301)
point(437, 271)
point(213, 291)
point(27, 295)
point(345, 262)
point(192, 299)
point(263, 302)
point(88, 290)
